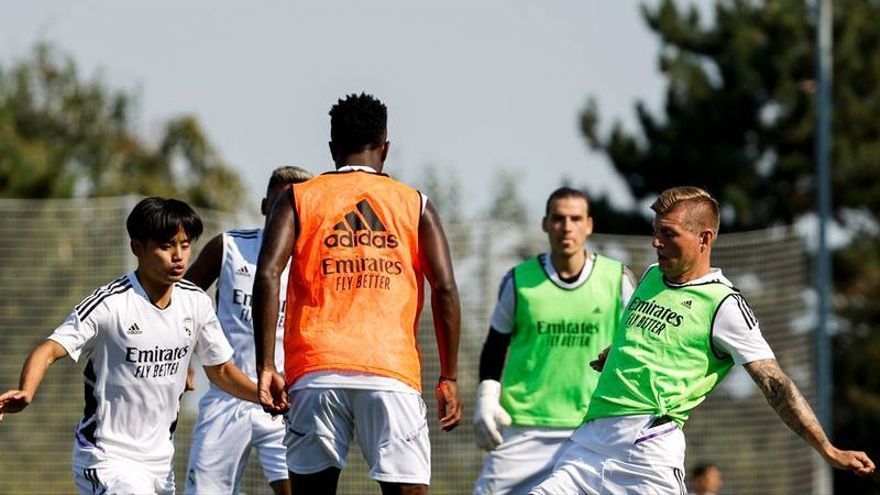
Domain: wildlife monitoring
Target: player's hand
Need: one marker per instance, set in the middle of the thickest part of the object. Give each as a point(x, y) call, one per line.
point(489, 416)
point(599, 363)
point(190, 379)
point(271, 392)
point(850, 460)
point(14, 401)
point(449, 406)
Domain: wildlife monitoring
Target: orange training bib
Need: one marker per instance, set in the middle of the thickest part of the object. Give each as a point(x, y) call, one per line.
point(355, 286)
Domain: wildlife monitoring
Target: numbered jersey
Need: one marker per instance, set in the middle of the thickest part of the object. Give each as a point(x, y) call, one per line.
point(136, 356)
point(234, 296)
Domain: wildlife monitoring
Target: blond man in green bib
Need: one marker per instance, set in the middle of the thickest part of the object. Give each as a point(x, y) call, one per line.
point(683, 329)
point(554, 313)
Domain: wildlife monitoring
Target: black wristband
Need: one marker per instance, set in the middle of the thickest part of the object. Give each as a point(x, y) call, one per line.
point(447, 379)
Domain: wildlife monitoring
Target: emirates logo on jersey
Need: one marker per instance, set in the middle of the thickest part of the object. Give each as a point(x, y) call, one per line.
point(361, 227)
point(651, 316)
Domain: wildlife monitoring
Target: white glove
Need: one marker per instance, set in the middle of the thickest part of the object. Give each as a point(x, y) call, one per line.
point(489, 416)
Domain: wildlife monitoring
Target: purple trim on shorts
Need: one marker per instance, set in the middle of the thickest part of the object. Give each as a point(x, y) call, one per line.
point(416, 434)
point(86, 443)
point(656, 434)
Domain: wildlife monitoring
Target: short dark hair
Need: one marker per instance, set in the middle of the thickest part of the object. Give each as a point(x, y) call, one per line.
point(288, 175)
point(160, 219)
point(358, 122)
point(701, 469)
point(702, 207)
point(566, 192)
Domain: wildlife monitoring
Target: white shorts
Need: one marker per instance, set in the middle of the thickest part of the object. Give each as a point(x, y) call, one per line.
point(525, 457)
point(391, 429)
point(620, 456)
point(223, 435)
point(117, 477)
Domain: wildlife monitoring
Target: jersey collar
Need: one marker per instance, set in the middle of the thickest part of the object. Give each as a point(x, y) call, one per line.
point(357, 168)
point(714, 276)
point(553, 275)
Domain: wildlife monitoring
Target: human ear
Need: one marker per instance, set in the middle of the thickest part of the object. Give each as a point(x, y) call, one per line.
point(385, 148)
point(706, 238)
point(137, 248)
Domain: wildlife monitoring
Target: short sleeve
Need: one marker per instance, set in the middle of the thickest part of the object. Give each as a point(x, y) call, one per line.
point(423, 203)
point(211, 348)
point(77, 335)
point(735, 332)
point(504, 317)
point(627, 286)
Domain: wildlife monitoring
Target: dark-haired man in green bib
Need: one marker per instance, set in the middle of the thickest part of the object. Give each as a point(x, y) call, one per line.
point(683, 329)
point(555, 312)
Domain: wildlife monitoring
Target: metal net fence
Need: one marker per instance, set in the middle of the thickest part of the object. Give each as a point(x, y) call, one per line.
point(54, 253)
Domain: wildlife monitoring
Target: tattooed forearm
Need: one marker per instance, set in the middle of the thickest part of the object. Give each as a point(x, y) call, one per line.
point(785, 398)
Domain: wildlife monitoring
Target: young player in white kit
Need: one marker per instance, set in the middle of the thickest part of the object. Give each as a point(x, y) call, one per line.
point(136, 336)
point(227, 428)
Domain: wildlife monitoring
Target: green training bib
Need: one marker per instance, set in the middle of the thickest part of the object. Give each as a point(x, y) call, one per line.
point(547, 380)
point(662, 361)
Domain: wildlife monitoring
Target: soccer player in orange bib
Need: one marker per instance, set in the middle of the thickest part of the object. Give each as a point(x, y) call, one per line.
point(361, 245)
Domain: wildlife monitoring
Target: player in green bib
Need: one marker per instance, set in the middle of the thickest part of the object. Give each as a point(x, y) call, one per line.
point(554, 314)
point(682, 330)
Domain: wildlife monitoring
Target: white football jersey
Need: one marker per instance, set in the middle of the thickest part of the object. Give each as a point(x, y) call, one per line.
point(234, 296)
point(136, 360)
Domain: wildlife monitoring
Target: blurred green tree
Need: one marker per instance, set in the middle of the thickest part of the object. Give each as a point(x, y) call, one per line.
point(62, 135)
point(739, 119)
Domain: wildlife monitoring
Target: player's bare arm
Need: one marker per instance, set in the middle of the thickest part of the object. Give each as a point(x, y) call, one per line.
point(788, 402)
point(437, 265)
point(205, 270)
point(274, 253)
point(32, 373)
point(233, 381)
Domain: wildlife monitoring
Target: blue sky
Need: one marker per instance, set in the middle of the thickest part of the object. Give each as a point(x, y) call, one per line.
point(472, 87)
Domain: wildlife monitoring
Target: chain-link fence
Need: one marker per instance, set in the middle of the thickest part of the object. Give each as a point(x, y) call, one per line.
point(56, 252)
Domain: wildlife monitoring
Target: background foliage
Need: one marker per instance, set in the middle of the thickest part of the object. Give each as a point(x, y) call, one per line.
point(62, 135)
point(739, 119)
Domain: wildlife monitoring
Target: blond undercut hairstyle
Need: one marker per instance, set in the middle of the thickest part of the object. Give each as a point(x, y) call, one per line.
point(288, 175)
point(702, 208)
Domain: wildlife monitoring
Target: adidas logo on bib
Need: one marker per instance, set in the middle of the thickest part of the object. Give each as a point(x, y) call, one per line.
point(361, 227)
point(243, 271)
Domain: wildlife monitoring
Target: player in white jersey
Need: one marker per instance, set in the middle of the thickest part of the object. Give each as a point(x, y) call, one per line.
point(136, 336)
point(227, 428)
